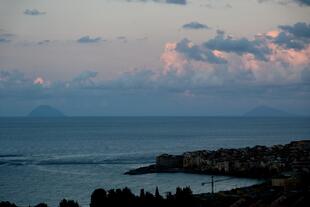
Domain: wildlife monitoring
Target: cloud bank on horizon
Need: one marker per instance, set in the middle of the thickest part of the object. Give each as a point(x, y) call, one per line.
point(284, 2)
point(194, 75)
point(180, 2)
point(33, 12)
point(195, 25)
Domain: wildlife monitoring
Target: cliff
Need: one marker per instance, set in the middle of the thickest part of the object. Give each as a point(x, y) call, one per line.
point(258, 161)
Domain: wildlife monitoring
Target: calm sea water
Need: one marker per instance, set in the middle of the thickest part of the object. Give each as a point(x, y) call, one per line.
point(45, 160)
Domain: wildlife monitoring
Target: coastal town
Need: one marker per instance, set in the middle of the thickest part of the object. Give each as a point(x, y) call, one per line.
point(285, 170)
point(256, 162)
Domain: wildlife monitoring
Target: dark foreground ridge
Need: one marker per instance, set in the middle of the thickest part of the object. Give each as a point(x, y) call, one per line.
point(287, 192)
point(255, 162)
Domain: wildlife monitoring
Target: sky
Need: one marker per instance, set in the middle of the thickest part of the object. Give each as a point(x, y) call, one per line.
point(154, 57)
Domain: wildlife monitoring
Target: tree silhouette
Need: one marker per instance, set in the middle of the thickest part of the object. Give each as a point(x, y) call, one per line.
point(7, 204)
point(68, 203)
point(98, 198)
point(41, 205)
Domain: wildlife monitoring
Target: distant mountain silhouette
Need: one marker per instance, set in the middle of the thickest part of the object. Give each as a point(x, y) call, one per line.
point(45, 111)
point(265, 111)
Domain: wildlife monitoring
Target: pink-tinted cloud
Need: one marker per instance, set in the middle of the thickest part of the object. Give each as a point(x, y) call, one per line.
point(290, 56)
point(39, 81)
point(172, 60)
point(281, 64)
point(250, 62)
point(273, 33)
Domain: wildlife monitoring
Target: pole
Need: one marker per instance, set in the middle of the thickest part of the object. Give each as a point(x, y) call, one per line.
point(212, 184)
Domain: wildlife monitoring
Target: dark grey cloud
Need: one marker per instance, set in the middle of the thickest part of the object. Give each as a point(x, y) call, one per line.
point(33, 12)
point(197, 53)
point(285, 2)
point(44, 42)
point(84, 79)
point(296, 36)
point(179, 2)
point(13, 79)
point(176, 1)
point(299, 30)
point(289, 41)
point(238, 46)
point(195, 25)
point(303, 2)
point(88, 39)
point(122, 38)
point(5, 37)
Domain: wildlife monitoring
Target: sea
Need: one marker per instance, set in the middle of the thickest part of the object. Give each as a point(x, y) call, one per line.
point(48, 159)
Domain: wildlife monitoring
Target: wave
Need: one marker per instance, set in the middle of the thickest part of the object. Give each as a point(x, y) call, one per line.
point(119, 159)
point(97, 161)
point(10, 155)
point(14, 159)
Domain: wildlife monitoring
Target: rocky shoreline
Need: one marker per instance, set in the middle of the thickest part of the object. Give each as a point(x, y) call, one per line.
point(254, 162)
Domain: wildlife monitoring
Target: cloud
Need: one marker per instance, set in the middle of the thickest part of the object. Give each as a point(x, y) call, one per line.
point(83, 80)
point(33, 12)
point(285, 2)
point(260, 61)
point(299, 30)
point(183, 2)
point(38, 81)
point(195, 25)
point(88, 39)
point(296, 36)
point(147, 92)
point(238, 46)
point(13, 80)
point(195, 52)
point(273, 34)
point(222, 67)
point(303, 2)
point(179, 2)
point(16, 82)
point(44, 42)
point(219, 61)
point(5, 37)
point(122, 39)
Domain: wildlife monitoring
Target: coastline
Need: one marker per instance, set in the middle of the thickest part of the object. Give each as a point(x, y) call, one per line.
point(288, 185)
point(265, 194)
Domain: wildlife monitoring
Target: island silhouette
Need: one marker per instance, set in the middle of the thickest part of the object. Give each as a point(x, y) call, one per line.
point(266, 111)
point(45, 111)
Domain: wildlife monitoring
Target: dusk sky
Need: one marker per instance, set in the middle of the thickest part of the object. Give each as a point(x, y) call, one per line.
point(154, 57)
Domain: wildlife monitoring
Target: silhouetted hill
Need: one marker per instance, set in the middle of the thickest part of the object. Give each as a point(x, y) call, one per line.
point(265, 111)
point(45, 111)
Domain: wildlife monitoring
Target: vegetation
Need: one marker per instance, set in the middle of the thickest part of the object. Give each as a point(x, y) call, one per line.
point(261, 195)
point(125, 198)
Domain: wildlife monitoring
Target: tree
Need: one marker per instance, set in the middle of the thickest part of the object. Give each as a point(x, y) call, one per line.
point(41, 205)
point(7, 204)
point(98, 198)
point(68, 203)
